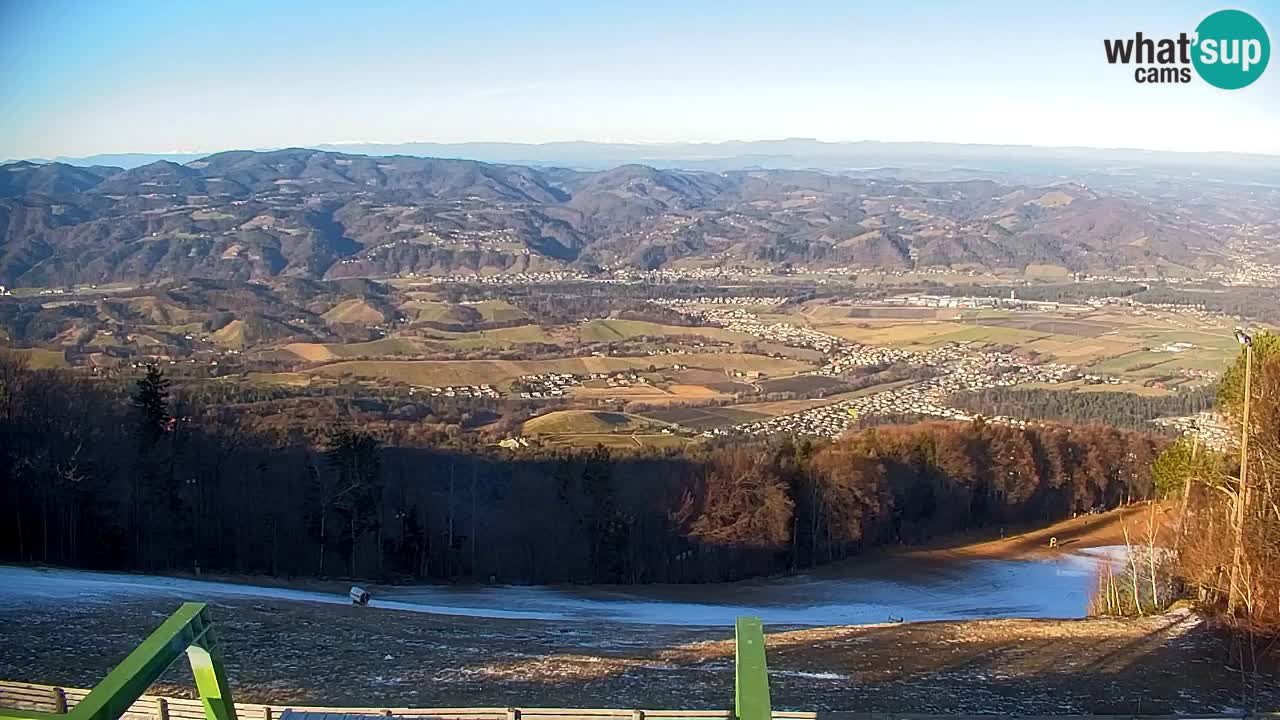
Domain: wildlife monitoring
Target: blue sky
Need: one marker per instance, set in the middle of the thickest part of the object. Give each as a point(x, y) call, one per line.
point(83, 77)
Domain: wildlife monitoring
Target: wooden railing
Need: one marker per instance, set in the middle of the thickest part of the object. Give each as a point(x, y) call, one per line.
point(54, 699)
point(51, 698)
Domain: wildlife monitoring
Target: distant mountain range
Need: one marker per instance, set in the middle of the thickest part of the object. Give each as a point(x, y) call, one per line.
point(314, 214)
point(906, 160)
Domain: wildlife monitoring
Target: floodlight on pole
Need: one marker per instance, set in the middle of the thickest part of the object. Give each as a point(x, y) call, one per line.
point(1242, 495)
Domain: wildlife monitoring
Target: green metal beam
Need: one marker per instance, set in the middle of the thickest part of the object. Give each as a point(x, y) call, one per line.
point(110, 698)
point(211, 679)
point(751, 676)
point(188, 630)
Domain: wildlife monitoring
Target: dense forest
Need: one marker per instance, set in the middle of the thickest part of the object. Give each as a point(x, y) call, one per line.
point(1121, 409)
point(1258, 303)
point(1252, 302)
point(146, 478)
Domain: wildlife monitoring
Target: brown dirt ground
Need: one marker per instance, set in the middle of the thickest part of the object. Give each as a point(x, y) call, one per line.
point(1085, 531)
point(287, 652)
point(297, 653)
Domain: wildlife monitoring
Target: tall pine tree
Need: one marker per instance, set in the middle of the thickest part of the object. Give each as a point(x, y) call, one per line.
point(151, 400)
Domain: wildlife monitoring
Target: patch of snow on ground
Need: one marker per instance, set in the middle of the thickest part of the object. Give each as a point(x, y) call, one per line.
point(958, 590)
point(809, 675)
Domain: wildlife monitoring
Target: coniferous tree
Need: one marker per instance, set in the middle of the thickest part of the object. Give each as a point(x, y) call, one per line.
point(151, 401)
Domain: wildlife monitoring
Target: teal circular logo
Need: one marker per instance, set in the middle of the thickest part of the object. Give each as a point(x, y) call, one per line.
point(1232, 49)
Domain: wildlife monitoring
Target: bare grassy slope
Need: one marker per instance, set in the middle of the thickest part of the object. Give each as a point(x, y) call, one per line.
point(334, 655)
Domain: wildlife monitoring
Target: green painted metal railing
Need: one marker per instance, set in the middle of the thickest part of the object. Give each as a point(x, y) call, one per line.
point(751, 676)
point(190, 631)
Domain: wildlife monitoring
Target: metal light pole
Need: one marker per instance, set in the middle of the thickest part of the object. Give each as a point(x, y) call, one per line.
point(1186, 486)
point(1242, 497)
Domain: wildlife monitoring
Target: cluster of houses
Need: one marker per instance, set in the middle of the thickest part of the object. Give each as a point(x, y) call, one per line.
point(456, 391)
point(620, 380)
point(545, 385)
point(930, 270)
point(1134, 307)
point(748, 300)
point(1094, 379)
point(961, 370)
point(554, 385)
point(958, 368)
point(1252, 242)
point(1212, 428)
point(968, 302)
point(739, 320)
point(1199, 374)
point(513, 278)
point(1248, 271)
point(715, 272)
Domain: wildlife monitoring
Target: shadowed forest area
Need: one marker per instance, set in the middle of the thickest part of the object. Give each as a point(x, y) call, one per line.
point(1125, 410)
point(114, 477)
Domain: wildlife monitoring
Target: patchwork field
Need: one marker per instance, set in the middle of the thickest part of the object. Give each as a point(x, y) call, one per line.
point(820, 313)
point(620, 441)
point(317, 352)
point(782, 407)
point(291, 379)
point(499, 338)
point(610, 330)
point(579, 422)
point(637, 393)
point(1103, 341)
point(42, 359)
point(431, 311)
point(498, 311)
point(358, 312)
point(803, 384)
point(704, 418)
point(476, 372)
point(891, 333)
point(231, 335)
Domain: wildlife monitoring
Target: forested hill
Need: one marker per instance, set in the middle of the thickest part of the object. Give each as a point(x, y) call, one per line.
point(152, 483)
point(312, 214)
point(1121, 409)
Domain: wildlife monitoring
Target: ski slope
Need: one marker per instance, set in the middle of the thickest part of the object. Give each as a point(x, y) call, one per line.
point(957, 590)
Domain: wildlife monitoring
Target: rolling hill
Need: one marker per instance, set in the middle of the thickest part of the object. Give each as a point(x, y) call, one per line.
point(309, 214)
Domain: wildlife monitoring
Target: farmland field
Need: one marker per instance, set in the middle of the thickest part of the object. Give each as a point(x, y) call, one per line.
point(283, 378)
point(610, 330)
point(639, 392)
point(498, 311)
point(704, 418)
point(476, 372)
point(496, 338)
point(783, 407)
point(430, 311)
point(585, 422)
point(890, 333)
point(1102, 341)
point(835, 312)
point(1052, 325)
point(354, 311)
point(42, 359)
point(317, 352)
point(803, 384)
point(617, 440)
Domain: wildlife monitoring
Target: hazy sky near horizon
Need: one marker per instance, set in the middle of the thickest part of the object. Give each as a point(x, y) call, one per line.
point(83, 77)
